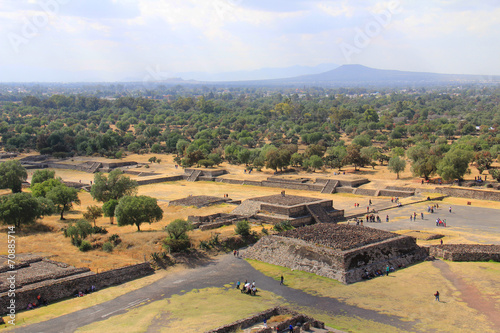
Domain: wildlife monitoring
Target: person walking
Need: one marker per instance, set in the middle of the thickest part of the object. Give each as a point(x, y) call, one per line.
point(238, 284)
point(436, 295)
point(387, 270)
point(450, 209)
point(282, 280)
point(422, 215)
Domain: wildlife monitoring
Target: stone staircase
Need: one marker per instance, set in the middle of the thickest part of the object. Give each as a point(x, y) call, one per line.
point(93, 168)
point(247, 208)
point(319, 214)
point(330, 186)
point(194, 176)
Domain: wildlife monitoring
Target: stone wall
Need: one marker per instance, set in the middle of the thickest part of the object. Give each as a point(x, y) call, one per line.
point(469, 193)
point(54, 290)
point(396, 193)
point(267, 314)
point(344, 266)
point(160, 180)
point(466, 252)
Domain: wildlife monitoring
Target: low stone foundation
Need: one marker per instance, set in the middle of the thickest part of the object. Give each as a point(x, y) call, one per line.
point(466, 252)
point(299, 320)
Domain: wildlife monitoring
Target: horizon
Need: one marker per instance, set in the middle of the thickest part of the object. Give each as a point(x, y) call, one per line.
point(152, 40)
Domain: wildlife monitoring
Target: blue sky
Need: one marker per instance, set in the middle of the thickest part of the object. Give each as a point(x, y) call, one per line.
point(113, 40)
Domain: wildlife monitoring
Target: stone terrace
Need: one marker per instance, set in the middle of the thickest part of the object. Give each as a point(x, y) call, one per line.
point(199, 201)
point(286, 200)
point(337, 236)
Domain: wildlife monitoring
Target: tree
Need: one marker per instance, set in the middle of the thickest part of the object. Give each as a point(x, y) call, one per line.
point(495, 173)
point(93, 213)
point(178, 228)
point(397, 165)
point(336, 156)
point(40, 190)
point(115, 186)
point(455, 164)
point(63, 197)
point(354, 157)
point(483, 160)
point(137, 210)
point(315, 162)
point(424, 160)
point(12, 175)
point(20, 209)
point(39, 176)
point(109, 209)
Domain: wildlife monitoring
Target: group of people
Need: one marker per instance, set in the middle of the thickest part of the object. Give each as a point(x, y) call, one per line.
point(82, 293)
point(413, 217)
point(373, 218)
point(432, 208)
point(370, 275)
point(247, 287)
point(440, 222)
point(39, 302)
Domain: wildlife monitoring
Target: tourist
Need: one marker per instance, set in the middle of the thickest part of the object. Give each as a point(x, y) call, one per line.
point(238, 284)
point(436, 295)
point(422, 215)
point(411, 216)
point(387, 270)
point(387, 218)
point(265, 323)
point(290, 328)
point(369, 202)
point(450, 209)
point(441, 242)
point(282, 280)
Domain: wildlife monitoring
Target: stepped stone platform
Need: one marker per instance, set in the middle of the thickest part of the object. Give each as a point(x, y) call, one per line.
point(199, 201)
point(345, 253)
point(298, 210)
point(466, 252)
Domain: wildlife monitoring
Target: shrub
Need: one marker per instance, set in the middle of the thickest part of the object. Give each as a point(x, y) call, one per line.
point(99, 230)
point(283, 226)
point(85, 246)
point(107, 247)
point(176, 245)
point(264, 231)
point(242, 228)
point(114, 239)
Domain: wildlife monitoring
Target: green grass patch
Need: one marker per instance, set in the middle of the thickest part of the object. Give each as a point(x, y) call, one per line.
point(196, 311)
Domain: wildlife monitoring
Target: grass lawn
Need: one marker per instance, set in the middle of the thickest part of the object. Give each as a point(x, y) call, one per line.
point(195, 311)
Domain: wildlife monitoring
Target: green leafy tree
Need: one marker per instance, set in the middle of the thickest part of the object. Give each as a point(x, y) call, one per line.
point(454, 164)
point(354, 157)
point(178, 229)
point(115, 186)
point(397, 165)
point(137, 210)
point(12, 175)
point(92, 214)
point(109, 209)
point(40, 190)
point(63, 197)
point(21, 209)
point(483, 160)
point(315, 162)
point(424, 160)
point(495, 173)
point(39, 176)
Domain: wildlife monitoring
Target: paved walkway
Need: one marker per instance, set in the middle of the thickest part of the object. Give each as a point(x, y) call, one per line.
point(216, 273)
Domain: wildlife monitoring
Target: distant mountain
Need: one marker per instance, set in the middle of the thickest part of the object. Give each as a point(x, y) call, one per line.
point(258, 74)
point(361, 75)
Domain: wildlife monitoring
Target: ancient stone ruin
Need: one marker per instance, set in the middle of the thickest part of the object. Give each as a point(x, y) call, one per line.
point(298, 210)
point(466, 252)
point(54, 280)
point(345, 253)
point(300, 322)
point(199, 201)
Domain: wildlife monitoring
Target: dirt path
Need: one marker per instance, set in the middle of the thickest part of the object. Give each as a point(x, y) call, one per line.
point(471, 295)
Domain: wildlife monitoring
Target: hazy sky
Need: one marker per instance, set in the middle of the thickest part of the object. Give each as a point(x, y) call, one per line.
point(81, 40)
